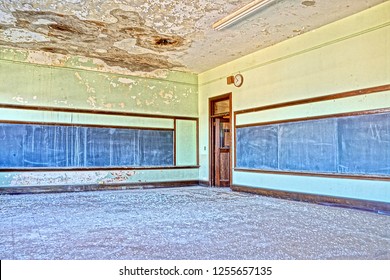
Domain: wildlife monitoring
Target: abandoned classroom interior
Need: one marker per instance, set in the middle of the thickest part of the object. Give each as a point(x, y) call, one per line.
point(291, 101)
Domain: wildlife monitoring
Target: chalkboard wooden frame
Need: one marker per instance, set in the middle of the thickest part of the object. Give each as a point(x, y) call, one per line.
point(86, 135)
point(174, 118)
point(334, 96)
point(311, 173)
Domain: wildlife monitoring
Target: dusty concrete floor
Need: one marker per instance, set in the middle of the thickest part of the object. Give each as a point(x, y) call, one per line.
point(185, 223)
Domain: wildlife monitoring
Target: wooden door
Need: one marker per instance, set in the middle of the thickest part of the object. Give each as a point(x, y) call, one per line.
point(220, 140)
point(221, 147)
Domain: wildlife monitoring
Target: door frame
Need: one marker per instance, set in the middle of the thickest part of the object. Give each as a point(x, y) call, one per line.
point(212, 100)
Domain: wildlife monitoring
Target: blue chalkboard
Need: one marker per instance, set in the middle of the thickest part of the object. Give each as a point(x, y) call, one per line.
point(353, 145)
point(311, 145)
point(35, 145)
point(365, 144)
point(258, 147)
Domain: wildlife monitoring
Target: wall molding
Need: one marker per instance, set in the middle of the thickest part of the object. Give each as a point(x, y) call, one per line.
point(97, 168)
point(92, 111)
point(85, 125)
point(94, 187)
point(321, 98)
point(319, 117)
point(366, 205)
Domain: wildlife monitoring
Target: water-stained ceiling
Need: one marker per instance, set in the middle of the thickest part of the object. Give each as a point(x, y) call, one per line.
point(150, 35)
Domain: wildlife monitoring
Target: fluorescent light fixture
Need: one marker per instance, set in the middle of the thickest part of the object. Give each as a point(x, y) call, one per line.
point(240, 13)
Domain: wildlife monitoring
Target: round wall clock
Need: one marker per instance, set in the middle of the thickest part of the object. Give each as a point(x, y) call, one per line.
point(238, 80)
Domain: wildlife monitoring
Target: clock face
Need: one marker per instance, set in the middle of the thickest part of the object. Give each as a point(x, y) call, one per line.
point(238, 80)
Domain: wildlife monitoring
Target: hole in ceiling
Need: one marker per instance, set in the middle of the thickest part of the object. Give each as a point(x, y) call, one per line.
point(308, 3)
point(165, 42)
point(62, 28)
point(54, 50)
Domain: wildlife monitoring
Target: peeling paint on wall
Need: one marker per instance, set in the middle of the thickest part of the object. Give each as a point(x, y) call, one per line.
point(20, 179)
point(62, 178)
point(85, 83)
point(127, 81)
point(71, 88)
point(19, 100)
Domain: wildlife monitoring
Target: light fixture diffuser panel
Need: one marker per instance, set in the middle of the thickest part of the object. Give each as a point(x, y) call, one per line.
point(240, 13)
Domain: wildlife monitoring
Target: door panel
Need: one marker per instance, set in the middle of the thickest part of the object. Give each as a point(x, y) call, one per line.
point(224, 170)
point(221, 152)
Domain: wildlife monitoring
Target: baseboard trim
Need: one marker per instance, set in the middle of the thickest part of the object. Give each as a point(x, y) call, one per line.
point(366, 205)
point(204, 183)
point(95, 187)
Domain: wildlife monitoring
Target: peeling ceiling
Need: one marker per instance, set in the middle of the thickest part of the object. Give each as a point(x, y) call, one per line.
point(152, 35)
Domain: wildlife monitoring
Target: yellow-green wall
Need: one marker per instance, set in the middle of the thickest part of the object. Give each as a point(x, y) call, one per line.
point(350, 54)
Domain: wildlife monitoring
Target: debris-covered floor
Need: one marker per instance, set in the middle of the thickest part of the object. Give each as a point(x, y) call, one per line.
point(185, 223)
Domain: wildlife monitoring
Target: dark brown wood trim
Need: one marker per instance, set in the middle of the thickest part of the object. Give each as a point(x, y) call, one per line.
point(367, 205)
point(103, 168)
point(308, 174)
point(348, 114)
point(220, 115)
point(235, 141)
point(91, 111)
point(317, 99)
point(219, 97)
point(174, 141)
point(197, 142)
point(217, 156)
point(231, 140)
point(211, 141)
point(94, 187)
point(84, 125)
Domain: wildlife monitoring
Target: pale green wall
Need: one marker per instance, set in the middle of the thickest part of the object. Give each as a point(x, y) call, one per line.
point(72, 86)
point(350, 54)
point(186, 138)
point(76, 118)
point(32, 84)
